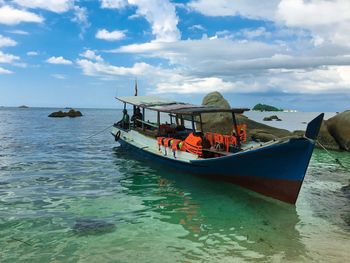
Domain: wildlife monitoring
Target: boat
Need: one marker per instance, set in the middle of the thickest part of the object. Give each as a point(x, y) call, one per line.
point(275, 169)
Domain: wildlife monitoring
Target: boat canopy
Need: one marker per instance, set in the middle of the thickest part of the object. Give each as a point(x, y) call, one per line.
point(174, 107)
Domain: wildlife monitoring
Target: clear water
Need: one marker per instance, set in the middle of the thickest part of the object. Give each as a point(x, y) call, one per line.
point(51, 176)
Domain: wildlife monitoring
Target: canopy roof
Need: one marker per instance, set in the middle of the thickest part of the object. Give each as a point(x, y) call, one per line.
point(169, 106)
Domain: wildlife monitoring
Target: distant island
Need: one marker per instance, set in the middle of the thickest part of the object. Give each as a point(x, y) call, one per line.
point(23, 107)
point(265, 107)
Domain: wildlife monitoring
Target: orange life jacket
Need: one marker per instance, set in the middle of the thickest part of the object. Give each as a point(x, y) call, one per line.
point(175, 145)
point(193, 144)
point(210, 137)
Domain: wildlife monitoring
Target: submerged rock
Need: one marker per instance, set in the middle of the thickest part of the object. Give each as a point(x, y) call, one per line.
point(71, 113)
point(339, 128)
point(85, 226)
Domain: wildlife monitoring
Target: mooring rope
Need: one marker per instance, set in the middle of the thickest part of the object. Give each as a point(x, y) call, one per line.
point(331, 155)
point(99, 132)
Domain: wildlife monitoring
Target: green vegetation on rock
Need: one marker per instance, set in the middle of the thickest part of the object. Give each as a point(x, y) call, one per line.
point(265, 107)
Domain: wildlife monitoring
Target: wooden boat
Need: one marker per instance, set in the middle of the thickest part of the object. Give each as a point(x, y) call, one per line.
point(275, 169)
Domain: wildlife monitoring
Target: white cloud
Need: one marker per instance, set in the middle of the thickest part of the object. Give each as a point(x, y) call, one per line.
point(7, 42)
point(101, 69)
point(59, 60)
point(5, 71)
point(90, 54)
point(329, 21)
point(247, 8)
point(162, 17)
point(159, 13)
point(32, 53)
point(314, 12)
point(18, 32)
point(57, 6)
point(58, 76)
point(197, 27)
point(12, 16)
point(113, 4)
point(110, 36)
point(8, 58)
point(195, 85)
point(81, 17)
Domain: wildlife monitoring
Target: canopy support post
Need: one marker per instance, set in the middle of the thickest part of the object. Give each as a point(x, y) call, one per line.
point(201, 123)
point(193, 126)
point(236, 129)
point(143, 119)
point(158, 118)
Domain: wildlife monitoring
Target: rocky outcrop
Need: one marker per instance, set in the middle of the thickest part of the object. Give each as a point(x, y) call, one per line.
point(334, 133)
point(339, 128)
point(261, 132)
point(71, 113)
point(217, 122)
point(222, 122)
point(326, 139)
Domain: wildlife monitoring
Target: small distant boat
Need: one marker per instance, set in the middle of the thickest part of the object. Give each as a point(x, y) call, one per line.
point(275, 169)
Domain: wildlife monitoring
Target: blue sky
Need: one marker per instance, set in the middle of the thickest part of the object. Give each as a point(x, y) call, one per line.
point(289, 53)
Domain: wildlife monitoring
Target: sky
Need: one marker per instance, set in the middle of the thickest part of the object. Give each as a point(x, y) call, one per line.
point(293, 54)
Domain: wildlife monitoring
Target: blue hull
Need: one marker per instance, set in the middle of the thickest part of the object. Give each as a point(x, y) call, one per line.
point(276, 171)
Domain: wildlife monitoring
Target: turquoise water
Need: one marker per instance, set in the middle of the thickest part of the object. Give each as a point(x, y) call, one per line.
point(51, 176)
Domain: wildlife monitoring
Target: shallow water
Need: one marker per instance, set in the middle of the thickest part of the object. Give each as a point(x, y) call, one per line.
point(51, 177)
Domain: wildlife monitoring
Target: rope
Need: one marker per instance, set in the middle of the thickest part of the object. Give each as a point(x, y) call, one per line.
point(99, 132)
point(336, 159)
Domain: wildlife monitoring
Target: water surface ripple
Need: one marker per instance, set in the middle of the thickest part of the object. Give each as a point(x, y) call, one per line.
point(51, 176)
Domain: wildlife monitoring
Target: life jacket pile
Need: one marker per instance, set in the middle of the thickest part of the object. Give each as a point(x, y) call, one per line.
point(192, 144)
point(217, 139)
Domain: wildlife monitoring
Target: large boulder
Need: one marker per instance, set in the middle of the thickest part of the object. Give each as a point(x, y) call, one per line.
point(222, 122)
point(339, 128)
point(326, 139)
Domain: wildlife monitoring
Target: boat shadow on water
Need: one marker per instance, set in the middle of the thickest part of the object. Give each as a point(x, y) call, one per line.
point(218, 216)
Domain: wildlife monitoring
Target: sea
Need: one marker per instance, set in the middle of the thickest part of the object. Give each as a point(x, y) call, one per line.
point(70, 193)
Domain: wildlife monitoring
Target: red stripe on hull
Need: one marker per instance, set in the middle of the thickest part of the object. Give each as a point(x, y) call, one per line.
point(284, 190)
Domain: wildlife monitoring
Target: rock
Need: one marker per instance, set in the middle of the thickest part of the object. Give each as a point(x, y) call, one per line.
point(217, 122)
point(261, 135)
point(267, 119)
point(299, 133)
point(23, 107)
point(339, 128)
point(58, 114)
point(86, 226)
point(222, 122)
point(326, 139)
point(74, 113)
point(261, 132)
point(71, 113)
point(273, 117)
